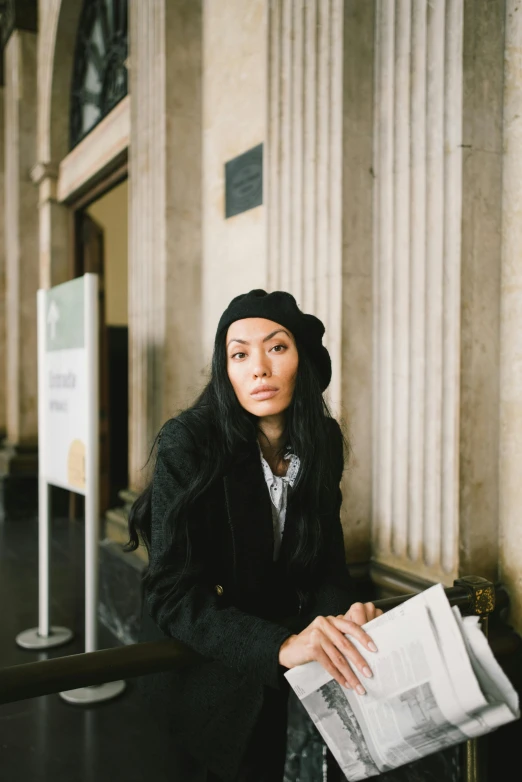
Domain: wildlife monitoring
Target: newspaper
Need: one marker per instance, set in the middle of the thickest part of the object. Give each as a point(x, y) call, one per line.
point(435, 683)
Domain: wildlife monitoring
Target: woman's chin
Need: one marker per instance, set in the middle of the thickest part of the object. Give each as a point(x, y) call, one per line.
point(267, 407)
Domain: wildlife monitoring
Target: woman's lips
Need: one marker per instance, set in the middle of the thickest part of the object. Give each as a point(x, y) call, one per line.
point(265, 394)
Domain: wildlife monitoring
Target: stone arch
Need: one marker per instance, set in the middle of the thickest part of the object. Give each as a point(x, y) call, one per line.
point(59, 26)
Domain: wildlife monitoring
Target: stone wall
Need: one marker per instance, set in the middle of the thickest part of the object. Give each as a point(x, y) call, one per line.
point(390, 209)
point(234, 121)
point(511, 321)
point(164, 218)
point(21, 235)
point(2, 277)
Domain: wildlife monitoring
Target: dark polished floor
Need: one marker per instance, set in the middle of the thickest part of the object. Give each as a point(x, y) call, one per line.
point(45, 739)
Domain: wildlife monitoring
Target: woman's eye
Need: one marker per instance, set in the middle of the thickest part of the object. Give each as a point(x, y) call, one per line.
point(239, 354)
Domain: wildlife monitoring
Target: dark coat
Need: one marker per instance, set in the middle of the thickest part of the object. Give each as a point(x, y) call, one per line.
point(228, 607)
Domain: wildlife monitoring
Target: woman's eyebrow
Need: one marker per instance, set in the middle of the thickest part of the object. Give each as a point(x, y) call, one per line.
point(265, 339)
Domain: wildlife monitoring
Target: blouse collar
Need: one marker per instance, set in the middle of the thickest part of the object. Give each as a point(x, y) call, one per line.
point(293, 467)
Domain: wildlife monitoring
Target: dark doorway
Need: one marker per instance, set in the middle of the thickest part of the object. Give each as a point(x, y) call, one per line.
point(91, 256)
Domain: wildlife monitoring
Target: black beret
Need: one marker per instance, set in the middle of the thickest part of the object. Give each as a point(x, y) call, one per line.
point(281, 307)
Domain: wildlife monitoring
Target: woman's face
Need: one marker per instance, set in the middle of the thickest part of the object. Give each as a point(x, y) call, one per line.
point(261, 354)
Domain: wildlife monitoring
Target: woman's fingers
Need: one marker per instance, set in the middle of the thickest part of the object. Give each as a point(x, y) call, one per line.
point(372, 612)
point(357, 613)
point(360, 613)
point(337, 634)
point(347, 626)
point(333, 660)
point(333, 629)
point(335, 663)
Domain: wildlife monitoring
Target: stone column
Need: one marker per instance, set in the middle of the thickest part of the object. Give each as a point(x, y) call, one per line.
point(54, 228)
point(320, 140)
point(510, 493)
point(482, 165)
point(3, 357)
point(57, 34)
point(357, 280)
point(18, 458)
point(164, 217)
point(417, 241)
point(305, 125)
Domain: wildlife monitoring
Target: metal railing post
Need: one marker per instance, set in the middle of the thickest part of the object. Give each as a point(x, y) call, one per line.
point(482, 604)
point(472, 594)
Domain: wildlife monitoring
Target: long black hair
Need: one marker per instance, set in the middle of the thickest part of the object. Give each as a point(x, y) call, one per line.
point(306, 429)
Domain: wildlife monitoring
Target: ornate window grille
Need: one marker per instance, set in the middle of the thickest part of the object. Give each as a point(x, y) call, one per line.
point(15, 15)
point(99, 73)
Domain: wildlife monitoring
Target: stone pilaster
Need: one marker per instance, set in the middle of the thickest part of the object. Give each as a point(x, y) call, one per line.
point(57, 34)
point(357, 288)
point(3, 358)
point(320, 186)
point(18, 457)
point(54, 228)
point(511, 319)
point(482, 165)
point(417, 167)
point(164, 217)
point(305, 125)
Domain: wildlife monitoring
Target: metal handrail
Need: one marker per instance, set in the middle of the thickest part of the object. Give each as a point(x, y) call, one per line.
point(45, 677)
point(474, 595)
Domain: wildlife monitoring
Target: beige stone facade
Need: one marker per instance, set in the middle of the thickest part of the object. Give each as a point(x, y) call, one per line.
point(391, 209)
point(3, 357)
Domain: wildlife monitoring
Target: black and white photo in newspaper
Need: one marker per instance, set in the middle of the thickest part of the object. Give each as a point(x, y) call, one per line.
point(424, 695)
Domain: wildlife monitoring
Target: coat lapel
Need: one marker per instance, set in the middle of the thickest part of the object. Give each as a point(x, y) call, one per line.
point(250, 518)
point(289, 540)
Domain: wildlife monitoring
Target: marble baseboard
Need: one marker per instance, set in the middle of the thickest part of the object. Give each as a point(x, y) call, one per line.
point(18, 497)
point(120, 595)
point(18, 482)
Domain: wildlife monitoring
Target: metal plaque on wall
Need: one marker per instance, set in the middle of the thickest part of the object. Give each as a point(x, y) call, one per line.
point(244, 182)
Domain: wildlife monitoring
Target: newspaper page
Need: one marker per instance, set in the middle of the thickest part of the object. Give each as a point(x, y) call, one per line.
point(424, 695)
point(503, 705)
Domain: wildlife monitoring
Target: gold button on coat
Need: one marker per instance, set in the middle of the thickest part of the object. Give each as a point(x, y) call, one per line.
point(219, 590)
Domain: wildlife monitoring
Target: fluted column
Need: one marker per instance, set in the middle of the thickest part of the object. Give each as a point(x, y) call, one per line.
point(511, 320)
point(482, 175)
point(164, 217)
point(305, 162)
point(57, 34)
point(21, 233)
point(18, 457)
point(54, 227)
point(418, 131)
point(3, 357)
point(146, 229)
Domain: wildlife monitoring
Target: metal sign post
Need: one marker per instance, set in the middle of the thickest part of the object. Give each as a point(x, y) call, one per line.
point(68, 435)
point(44, 636)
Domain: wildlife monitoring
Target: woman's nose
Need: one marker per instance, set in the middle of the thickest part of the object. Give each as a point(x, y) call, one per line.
point(261, 366)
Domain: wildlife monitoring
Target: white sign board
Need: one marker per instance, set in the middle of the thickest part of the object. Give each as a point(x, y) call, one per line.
point(67, 382)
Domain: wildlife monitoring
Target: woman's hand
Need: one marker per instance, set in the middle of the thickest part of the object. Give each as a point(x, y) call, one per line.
point(360, 613)
point(324, 641)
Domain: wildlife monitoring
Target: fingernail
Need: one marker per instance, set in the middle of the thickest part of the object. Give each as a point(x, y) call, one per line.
point(372, 647)
point(367, 672)
point(348, 685)
point(360, 689)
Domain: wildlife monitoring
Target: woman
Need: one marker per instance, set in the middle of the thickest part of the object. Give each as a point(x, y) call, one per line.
point(246, 555)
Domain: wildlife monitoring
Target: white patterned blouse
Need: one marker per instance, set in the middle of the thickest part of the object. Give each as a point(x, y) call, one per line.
point(278, 489)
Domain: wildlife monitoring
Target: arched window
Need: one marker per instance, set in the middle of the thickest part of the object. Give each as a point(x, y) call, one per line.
point(99, 74)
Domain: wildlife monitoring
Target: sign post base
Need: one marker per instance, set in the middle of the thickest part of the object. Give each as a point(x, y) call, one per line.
point(31, 639)
point(84, 696)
